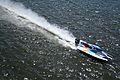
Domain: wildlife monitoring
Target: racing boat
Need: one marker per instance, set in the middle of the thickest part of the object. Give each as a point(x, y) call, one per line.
point(91, 50)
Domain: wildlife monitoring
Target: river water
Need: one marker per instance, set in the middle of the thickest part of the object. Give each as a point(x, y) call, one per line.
point(28, 52)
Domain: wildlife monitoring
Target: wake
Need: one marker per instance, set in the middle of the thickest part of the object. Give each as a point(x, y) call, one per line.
point(64, 36)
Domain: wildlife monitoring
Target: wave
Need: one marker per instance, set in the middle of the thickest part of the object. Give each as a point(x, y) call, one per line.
point(64, 36)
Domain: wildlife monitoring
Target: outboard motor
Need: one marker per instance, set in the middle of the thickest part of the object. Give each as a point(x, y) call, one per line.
point(77, 41)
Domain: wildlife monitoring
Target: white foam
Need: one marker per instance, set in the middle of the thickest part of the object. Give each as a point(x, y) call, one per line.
point(21, 10)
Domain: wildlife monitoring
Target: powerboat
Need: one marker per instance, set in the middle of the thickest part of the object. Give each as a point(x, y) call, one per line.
point(91, 50)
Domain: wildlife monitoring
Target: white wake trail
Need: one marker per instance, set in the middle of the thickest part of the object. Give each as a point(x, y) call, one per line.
point(21, 10)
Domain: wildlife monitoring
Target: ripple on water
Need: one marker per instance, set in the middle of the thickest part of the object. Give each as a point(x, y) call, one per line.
point(88, 69)
point(26, 78)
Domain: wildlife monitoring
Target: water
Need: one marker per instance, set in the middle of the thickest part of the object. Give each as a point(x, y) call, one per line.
point(28, 52)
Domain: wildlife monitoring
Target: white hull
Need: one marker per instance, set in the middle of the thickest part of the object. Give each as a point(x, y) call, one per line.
point(87, 51)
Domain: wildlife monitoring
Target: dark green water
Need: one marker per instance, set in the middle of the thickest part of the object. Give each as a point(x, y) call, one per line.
point(29, 55)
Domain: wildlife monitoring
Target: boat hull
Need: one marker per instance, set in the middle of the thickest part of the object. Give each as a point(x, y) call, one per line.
point(91, 54)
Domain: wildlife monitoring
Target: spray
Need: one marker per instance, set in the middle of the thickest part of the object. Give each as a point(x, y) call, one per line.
point(66, 38)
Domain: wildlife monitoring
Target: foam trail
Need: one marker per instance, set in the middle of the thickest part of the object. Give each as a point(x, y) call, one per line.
point(21, 10)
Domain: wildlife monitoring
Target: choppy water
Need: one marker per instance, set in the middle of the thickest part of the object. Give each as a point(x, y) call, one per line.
point(27, 52)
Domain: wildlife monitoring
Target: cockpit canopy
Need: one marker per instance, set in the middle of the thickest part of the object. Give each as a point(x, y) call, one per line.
point(86, 45)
